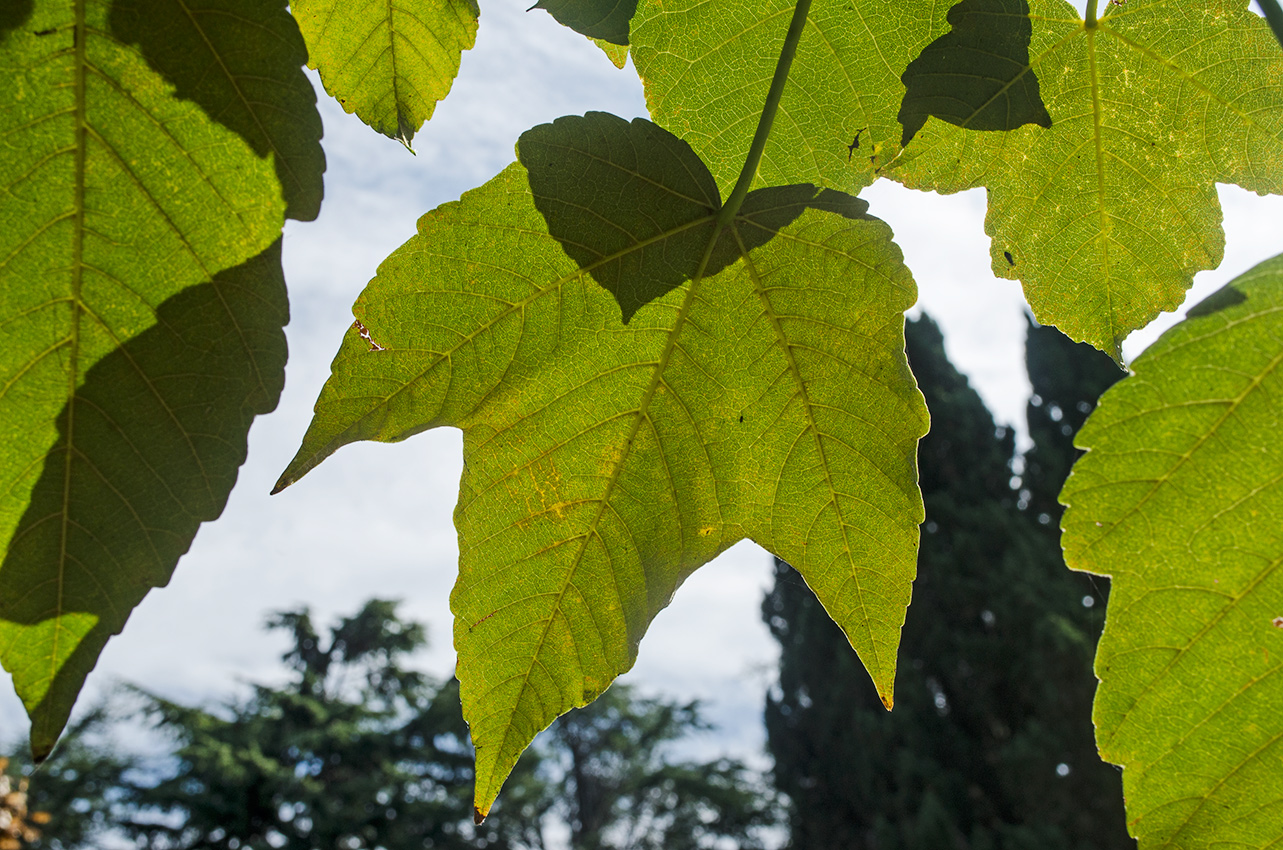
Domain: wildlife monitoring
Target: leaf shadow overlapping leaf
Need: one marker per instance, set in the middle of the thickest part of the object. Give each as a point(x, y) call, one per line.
point(978, 74)
point(245, 74)
point(14, 14)
point(635, 207)
point(769, 399)
point(149, 447)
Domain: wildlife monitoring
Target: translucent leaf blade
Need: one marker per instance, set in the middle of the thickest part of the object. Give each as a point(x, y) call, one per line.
point(1106, 216)
point(707, 66)
point(1180, 499)
point(389, 62)
point(765, 396)
point(136, 188)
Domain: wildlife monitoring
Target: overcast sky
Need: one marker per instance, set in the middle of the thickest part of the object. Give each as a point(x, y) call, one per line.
point(375, 520)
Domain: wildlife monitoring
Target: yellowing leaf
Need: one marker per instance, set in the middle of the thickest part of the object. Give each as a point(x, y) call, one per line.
point(759, 390)
point(1106, 216)
point(389, 62)
point(1180, 499)
point(146, 172)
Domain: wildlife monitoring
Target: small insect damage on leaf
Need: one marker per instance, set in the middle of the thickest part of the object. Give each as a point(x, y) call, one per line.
point(365, 335)
point(855, 144)
point(1010, 260)
point(1278, 622)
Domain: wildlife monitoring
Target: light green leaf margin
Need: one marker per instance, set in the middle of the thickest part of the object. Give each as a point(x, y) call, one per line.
point(1180, 499)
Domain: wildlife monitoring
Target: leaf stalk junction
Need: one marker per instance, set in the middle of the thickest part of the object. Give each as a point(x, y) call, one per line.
point(773, 95)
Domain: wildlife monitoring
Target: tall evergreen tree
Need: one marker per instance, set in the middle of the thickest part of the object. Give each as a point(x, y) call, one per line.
point(990, 745)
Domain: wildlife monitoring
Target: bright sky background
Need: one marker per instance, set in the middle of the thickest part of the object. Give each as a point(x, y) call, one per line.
point(375, 520)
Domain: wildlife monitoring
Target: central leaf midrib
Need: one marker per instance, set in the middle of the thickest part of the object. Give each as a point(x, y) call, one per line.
point(75, 306)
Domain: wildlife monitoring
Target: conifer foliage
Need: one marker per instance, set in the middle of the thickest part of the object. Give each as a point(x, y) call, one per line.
point(989, 744)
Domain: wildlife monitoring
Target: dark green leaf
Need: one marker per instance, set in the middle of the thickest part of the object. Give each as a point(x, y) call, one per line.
point(604, 19)
point(148, 165)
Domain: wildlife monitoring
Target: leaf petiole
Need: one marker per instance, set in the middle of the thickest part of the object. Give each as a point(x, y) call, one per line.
point(787, 52)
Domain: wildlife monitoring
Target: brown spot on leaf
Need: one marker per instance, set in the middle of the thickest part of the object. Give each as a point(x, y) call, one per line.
point(365, 335)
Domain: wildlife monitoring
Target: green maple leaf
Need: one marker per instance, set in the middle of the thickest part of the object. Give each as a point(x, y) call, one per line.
point(759, 389)
point(707, 64)
point(148, 154)
point(389, 62)
point(1106, 215)
point(1180, 499)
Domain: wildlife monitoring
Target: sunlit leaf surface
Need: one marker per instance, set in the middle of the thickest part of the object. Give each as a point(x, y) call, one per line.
point(1180, 499)
point(707, 65)
point(388, 61)
point(977, 75)
point(759, 389)
point(1106, 216)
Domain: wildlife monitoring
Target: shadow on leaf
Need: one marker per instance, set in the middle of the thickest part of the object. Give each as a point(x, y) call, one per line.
point(1221, 299)
point(148, 449)
point(977, 75)
point(13, 14)
point(635, 207)
point(241, 62)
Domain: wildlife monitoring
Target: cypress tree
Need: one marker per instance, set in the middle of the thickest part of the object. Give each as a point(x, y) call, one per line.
point(990, 744)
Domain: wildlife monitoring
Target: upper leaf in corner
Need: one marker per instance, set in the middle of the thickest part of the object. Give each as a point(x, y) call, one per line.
point(1106, 216)
point(759, 390)
point(707, 65)
point(1180, 499)
point(389, 62)
point(606, 20)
